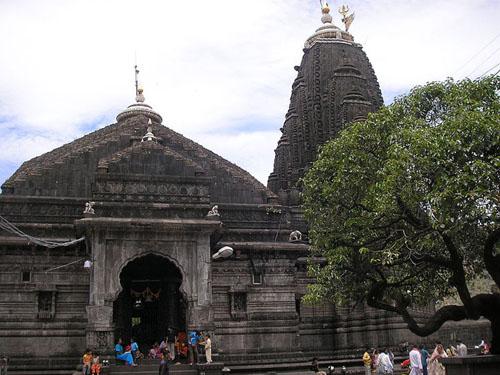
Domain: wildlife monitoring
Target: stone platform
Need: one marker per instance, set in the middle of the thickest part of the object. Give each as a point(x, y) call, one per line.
point(149, 368)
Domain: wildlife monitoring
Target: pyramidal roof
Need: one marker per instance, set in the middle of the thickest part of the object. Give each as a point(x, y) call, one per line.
point(123, 148)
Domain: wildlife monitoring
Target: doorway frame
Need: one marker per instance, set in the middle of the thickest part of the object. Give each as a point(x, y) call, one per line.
point(115, 242)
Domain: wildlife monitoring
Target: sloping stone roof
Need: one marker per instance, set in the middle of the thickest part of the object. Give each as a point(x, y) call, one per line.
point(69, 171)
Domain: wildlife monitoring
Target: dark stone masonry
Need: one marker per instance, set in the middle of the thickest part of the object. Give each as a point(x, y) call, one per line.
point(150, 238)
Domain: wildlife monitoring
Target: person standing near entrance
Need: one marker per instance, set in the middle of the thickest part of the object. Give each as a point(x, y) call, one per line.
point(171, 343)
point(134, 349)
point(208, 348)
point(193, 347)
point(164, 356)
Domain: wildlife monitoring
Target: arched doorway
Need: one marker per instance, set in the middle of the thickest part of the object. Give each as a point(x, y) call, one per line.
point(150, 301)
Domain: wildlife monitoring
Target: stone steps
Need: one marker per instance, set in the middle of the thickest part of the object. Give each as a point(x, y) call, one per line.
point(150, 368)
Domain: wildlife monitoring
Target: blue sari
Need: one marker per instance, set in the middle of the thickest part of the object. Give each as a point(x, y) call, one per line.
point(127, 357)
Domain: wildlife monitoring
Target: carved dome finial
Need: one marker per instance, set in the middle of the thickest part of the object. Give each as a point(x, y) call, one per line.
point(139, 107)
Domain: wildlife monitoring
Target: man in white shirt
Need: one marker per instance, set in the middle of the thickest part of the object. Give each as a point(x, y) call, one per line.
point(415, 361)
point(384, 363)
point(461, 349)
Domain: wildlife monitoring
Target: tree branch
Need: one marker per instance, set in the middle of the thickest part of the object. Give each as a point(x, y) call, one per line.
point(458, 278)
point(487, 305)
point(408, 214)
point(492, 261)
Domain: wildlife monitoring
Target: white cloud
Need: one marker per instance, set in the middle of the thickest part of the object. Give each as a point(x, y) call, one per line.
point(207, 66)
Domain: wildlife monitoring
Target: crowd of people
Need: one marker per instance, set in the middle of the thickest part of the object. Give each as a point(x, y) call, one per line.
point(378, 362)
point(181, 346)
point(175, 346)
point(420, 361)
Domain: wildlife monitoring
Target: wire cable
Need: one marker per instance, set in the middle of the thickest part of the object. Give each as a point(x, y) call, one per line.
point(476, 54)
point(485, 60)
point(11, 228)
point(489, 70)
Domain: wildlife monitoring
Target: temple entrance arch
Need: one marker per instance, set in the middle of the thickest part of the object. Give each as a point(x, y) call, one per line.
point(117, 244)
point(150, 300)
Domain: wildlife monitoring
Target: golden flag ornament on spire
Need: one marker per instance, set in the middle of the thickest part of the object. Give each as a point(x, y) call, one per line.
point(347, 20)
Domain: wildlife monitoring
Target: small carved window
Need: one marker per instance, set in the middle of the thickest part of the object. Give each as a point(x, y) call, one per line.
point(239, 305)
point(26, 276)
point(240, 302)
point(257, 278)
point(46, 305)
point(297, 305)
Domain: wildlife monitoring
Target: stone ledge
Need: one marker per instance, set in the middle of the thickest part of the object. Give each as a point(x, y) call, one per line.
point(214, 368)
point(473, 365)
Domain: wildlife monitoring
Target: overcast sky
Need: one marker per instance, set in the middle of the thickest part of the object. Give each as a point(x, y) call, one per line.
point(219, 72)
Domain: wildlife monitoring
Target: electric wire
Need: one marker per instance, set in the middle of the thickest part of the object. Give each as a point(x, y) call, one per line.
point(489, 70)
point(476, 54)
point(11, 228)
point(485, 60)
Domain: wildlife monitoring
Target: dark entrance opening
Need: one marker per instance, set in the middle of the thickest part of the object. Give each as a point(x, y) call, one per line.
point(150, 301)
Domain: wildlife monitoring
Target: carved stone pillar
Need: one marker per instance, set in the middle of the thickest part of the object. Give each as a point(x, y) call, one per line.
point(100, 330)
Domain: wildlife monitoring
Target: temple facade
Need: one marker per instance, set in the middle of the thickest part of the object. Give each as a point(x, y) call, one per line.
point(142, 211)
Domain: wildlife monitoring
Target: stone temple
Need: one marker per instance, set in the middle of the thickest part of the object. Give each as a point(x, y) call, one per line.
point(153, 207)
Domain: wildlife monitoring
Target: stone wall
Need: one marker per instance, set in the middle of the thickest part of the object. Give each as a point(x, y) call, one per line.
point(42, 313)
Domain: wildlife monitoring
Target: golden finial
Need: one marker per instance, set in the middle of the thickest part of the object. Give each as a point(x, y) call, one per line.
point(347, 20)
point(325, 9)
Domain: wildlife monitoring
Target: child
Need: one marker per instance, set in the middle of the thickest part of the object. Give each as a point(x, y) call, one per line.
point(87, 362)
point(208, 348)
point(96, 365)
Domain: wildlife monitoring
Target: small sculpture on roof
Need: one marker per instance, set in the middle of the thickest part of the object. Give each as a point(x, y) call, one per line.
point(295, 236)
point(89, 208)
point(214, 211)
point(149, 136)
point(346, 19)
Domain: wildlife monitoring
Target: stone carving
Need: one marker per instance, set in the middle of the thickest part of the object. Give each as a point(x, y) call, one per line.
point(89, 208)
point(101, 315)
point(295, 236)
point(100, 340)
point(158, 191)
point(214, 212)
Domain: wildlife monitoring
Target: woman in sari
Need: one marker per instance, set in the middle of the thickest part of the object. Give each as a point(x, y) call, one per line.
point(122, 355)
point(435, 366)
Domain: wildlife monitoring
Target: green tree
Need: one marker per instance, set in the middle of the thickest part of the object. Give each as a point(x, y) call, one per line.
point(404, 206)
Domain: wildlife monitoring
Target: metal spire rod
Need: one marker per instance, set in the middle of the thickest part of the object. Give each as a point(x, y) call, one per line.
point(136, 81)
